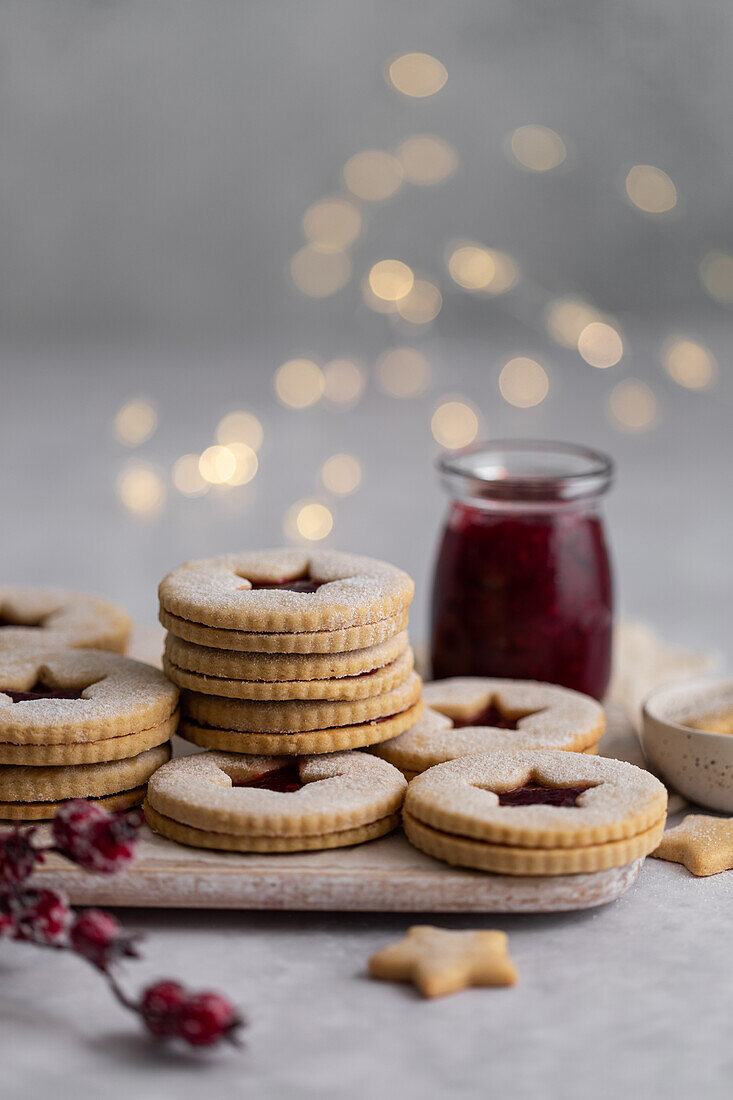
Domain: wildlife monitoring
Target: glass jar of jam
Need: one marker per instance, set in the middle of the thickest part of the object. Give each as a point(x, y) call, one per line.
point(523, 584)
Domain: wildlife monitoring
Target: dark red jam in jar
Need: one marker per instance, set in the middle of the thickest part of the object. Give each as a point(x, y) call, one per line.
point(523, 585)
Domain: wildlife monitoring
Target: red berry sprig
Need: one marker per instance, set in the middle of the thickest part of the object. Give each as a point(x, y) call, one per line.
point(101, 843)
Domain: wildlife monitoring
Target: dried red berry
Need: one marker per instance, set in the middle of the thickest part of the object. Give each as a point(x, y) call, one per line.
point(206, 1018)
point(99, 842)
point(18, 857)
point(41, 915)
point(100, 938)
point(160, 1006)
point(7, 921)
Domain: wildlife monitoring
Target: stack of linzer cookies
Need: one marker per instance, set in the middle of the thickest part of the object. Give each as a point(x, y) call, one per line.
point(77, 719)
point(297, 678)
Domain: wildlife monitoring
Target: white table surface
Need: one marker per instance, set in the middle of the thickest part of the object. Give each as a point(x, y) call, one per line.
point(634, 999)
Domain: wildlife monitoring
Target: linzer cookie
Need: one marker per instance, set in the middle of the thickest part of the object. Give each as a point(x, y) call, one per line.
point(286, 591)
point(282, 667)
point(304, 641)
point(32, 793)
point(53, 617)
point(470, 715)
point(363, 685)
point(535, 813)
point(259, 804)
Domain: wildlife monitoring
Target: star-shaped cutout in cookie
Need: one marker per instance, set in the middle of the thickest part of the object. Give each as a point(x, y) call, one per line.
point(437, 961)
point(704, 844)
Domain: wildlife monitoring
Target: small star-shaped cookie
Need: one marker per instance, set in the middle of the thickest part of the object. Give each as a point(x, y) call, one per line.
point(704, 844)
point(438, 961)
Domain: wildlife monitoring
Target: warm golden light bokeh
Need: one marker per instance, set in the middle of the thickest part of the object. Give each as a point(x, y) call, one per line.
point(341, 474)
point(403, 372)
point(373, 175)
point(650, 189)
point(331, 225)
point(716, 273)
point(240, 426)
point(454, 424)
point(600, 345)
point(245, 463)
point(319, 274)
point(391, 280)
point(217, 464)
point(135, 422)
point(422, 305)
point(523, 383)
point(417, 74)
point(506, 274)
point(308, 519)
point(688, 363)
point(632, 406)
point(471, 266)
point(141, 489)
point(299, 383)
point(427, 159)
point(343, 382)
point(187, 476)
point(537, 147)
point(377, 305)
point(566, 318)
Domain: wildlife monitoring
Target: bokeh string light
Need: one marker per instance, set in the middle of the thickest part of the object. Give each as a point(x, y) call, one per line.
point(332, 225)
point(455, 423)
point(373, 175)
point(403, 372)
point(689, 363)
point(600, 344)
point(417, 75)
point(391, 280)
point(187, 476)
point(319, 273)
point(716, 274)
point(523, 383)
point(343, 383)
point(307, 520)
point(299, 383)
point(422, 304)
point(341, 474)
point(650, 189)
point(240, 426)
point(135, 422)
point(537, 148)
point(427, 160)
point(632, 406)
point(141, 489)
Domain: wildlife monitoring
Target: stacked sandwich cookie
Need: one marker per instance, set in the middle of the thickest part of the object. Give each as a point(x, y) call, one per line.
point(54, 617)
point(79, 723)
point(290, 653)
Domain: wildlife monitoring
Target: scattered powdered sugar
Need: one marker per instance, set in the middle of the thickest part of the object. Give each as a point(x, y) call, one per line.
point(341, 790)
point(354, 590)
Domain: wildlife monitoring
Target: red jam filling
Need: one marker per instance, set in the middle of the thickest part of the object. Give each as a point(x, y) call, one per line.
point(305, 584)
point(524, 597)
point(490, 716)
point(533, 794)
point(286, 780)
point(39, 691)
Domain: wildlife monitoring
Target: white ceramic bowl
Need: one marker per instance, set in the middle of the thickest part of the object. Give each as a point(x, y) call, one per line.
point(697, 764)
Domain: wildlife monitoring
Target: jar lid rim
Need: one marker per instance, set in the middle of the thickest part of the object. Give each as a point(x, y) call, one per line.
point(485, 468)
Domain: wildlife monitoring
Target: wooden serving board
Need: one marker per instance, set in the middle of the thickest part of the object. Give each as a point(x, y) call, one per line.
point(387, 875)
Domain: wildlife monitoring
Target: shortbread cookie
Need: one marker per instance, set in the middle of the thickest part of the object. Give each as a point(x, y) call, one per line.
point(364, 685)
point(438, 961)
point(89, 752)
point(303, 641)
point(515, 714)
point(336, 739)
point(704, 844)
point(280, 667)
point(286, 590)
point(535, 813)
point(43, 811)
point(295, 717)
point(70, 696)
point(55, 784)
point(49, 616)
point(257, 803)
